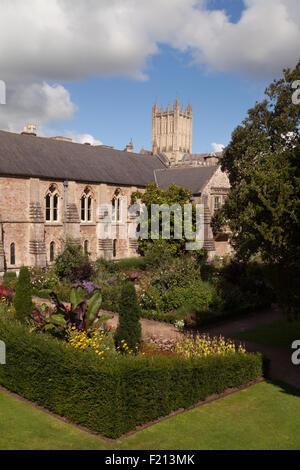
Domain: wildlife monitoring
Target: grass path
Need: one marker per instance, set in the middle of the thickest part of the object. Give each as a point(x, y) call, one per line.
point(280, 333)
point(264, 416)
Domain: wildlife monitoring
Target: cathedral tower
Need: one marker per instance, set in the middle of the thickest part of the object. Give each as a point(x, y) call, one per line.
point(172, 131)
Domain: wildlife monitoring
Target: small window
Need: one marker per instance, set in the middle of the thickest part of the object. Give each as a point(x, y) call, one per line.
point(52, 251)
point(86, 247)
point(12, 254)
point(216, 203)
point(114, 248)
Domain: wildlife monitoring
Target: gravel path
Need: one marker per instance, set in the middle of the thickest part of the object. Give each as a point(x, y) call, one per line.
point(149, 327)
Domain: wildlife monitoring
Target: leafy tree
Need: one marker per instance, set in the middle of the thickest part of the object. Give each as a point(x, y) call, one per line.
point(174, 195)
point(23, 297)
point(262, 161)
point(129, 328)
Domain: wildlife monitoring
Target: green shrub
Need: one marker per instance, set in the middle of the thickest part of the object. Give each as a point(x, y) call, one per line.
point(105, 265)
point(129, 327)
point(158, 254)
point(23, 296)
point(73, 263)
point(178, 273)
point(199, 295)
point(46, 281)
point(9, 277)
point(112, 397)
point(150, 299)
point(111, 297)
point(159, 316)
point(132, 263)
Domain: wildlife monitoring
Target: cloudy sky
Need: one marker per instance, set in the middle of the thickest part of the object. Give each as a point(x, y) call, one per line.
point(91, 69)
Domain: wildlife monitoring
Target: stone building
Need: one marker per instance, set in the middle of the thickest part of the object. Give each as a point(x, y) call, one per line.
point(51, 190)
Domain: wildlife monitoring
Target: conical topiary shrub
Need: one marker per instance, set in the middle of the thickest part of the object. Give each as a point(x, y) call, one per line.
point(23, 297)
point(129, 332)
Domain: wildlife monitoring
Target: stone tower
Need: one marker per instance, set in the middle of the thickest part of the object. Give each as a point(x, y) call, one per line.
point(172, 131)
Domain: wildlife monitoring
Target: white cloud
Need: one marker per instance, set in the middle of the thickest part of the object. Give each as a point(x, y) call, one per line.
point(217, 147)
point(63, 39)
point(36, 103)
point(44, 41)
point(82, 138)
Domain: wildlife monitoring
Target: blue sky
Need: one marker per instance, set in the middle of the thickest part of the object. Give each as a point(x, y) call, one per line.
point(94, 70)
point(115, 109)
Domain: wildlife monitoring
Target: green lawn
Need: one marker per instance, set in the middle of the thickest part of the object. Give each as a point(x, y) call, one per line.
point(280, 333)
point(264, 416)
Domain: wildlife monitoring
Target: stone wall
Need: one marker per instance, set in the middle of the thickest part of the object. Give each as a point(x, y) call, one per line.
point(23, 221)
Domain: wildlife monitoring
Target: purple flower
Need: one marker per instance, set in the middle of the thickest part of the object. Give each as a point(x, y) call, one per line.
point(89, 286)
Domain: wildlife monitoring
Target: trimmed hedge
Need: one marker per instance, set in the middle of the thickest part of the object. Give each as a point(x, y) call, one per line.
point(113, 397)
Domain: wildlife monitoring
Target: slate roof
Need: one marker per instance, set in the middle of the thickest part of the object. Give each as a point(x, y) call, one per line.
point(31, 156)
point(193, 178)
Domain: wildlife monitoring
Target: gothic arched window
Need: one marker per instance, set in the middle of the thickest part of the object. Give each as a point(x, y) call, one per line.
point(12, 254)
point(52, 251)
point(117, 206)
point(52, 204)
point(86, 205)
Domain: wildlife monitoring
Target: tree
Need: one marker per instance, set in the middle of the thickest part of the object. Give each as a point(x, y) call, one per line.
point(129, 328)
point(172, 196)
point(262, 161)
point(23, 297)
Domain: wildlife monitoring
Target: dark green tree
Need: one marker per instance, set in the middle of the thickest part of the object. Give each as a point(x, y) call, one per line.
point(262, 161)
point(129, 328)
point(23, 296)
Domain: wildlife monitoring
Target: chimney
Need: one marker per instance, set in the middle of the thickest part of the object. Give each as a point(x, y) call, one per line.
point(29, 130)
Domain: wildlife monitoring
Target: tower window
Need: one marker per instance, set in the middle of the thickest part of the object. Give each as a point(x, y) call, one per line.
point(52, 251)
point(216, 203)
point(12, 254)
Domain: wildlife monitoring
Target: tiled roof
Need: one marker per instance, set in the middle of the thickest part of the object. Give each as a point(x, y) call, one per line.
point(31, 156)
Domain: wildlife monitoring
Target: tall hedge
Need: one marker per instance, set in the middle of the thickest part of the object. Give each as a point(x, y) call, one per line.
point(113, 397)
point(129, 327)
point(23, 296)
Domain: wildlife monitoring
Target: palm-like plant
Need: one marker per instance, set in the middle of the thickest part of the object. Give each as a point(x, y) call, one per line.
point(83, 313)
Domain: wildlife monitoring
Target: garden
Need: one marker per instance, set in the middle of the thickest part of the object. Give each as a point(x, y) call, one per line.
point(63, 354)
